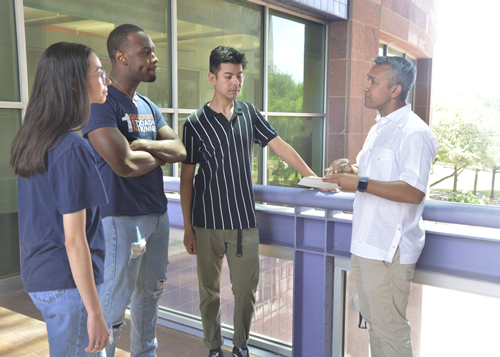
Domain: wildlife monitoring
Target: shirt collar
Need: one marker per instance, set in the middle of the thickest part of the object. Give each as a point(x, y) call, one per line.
point(396, 115)
point(238, 109)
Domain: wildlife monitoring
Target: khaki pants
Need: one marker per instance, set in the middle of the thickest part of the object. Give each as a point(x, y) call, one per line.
point(383, 290)
point(211, 245)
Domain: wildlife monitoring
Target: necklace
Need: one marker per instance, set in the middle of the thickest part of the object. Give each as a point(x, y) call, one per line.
point(128, 95)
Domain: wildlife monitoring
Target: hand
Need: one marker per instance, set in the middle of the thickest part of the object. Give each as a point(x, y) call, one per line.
point(340, 166)
point(138, 145)
point(98, 333)
point(190, 242)
point(142, 145)
point(347, 182)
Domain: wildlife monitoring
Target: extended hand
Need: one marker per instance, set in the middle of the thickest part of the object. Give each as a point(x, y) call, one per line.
point(347, 182)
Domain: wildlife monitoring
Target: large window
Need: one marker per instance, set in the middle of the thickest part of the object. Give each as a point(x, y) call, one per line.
point(10, 120)
point(9, 74)
point(296, 62)
point(90, 22)
point(203, 25)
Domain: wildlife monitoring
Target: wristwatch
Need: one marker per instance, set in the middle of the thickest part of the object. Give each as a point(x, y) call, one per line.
point(363, 184)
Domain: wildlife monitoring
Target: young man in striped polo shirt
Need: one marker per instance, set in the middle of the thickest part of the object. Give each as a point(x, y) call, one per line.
point(219, 207)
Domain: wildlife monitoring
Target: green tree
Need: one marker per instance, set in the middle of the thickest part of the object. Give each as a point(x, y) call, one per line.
point(285, 95)
point(468, 131)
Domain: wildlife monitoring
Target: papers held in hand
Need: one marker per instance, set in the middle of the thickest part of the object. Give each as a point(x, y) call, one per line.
point(312, 181)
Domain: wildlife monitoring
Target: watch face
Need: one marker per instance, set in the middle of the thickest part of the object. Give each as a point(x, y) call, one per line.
point(362, 184)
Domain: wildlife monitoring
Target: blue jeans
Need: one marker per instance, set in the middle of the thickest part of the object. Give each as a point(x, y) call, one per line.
point(66, 320)
point(134, 274)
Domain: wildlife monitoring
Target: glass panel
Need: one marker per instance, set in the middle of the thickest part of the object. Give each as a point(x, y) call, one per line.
point(411, 94)
point(305, 135)
point(203, 25)
point(393, 52)
point(439, 318)
point(256, 166)
point(9, 73)
point(381, 49)
point(10, 120)
point(274, 297)
point(168, 168)
point(296, 64)
point(90, 22)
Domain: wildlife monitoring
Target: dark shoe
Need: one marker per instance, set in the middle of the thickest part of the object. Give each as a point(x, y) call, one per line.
point(216, 352)
point(240, 352)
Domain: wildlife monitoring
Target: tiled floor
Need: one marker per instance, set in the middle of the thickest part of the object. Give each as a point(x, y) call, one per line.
point(23, 333)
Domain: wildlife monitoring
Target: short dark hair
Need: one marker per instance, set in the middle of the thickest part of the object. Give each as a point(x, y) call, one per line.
point(117, 39)
point(224, 54)
point(403, 72)
point(59, 103)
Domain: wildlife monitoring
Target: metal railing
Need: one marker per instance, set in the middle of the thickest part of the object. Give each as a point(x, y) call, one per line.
point(317, 226)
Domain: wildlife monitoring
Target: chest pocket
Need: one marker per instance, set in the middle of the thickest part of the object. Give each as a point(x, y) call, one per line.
point(383, 161)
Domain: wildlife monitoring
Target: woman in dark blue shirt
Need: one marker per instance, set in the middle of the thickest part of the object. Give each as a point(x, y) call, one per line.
point(59, 194)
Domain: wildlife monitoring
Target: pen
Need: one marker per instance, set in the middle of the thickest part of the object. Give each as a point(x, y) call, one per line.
point(338, 167)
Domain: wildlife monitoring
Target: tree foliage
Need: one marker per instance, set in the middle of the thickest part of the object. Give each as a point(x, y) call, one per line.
point(468, 131)
point(285, 95)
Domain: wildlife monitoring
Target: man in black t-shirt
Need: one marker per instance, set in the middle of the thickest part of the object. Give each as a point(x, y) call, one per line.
point(131, 141)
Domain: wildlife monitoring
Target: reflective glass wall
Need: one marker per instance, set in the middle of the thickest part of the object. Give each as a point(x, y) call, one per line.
point(10, 120)
point(296, 62)
point(295, 59)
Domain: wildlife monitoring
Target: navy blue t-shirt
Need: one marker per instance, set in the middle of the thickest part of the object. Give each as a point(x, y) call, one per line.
point(70, 184)
point(129, 196)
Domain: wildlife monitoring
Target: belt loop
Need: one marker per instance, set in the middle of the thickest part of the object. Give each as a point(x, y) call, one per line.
point(239, 247)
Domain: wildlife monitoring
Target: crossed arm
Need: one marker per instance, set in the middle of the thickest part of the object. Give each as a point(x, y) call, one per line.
point(139, 157)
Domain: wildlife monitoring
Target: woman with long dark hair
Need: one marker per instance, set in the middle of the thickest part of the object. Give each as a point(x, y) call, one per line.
point(59, 194)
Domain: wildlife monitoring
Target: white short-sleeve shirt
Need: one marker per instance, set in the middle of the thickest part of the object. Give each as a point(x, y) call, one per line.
point(399, 147)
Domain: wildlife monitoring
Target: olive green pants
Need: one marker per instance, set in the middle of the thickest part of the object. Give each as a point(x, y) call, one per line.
point(212, 245)
point(383, 290)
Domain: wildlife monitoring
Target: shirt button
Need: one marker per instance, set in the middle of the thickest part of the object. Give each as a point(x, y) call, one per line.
point(378, 158)
point(393, 247)
point(399, 229)
point(360, 241)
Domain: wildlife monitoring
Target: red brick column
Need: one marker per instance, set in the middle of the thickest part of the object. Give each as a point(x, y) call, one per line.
point(353, 46)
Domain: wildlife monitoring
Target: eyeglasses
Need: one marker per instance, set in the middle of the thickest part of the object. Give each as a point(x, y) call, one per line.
point(101, 74)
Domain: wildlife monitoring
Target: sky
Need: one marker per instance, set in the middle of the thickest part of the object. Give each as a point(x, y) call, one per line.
point(288, 47)
point(467, 51)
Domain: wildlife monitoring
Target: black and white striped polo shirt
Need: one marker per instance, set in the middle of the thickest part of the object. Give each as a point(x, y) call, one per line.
point(223, 194)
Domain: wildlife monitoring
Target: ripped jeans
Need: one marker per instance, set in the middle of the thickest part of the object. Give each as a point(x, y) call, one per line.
point(134, 274)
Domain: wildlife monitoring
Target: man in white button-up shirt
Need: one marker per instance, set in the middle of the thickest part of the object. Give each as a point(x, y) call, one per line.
point(390, 180)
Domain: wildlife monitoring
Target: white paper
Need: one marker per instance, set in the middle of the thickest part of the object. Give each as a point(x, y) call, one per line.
point(316, 182)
